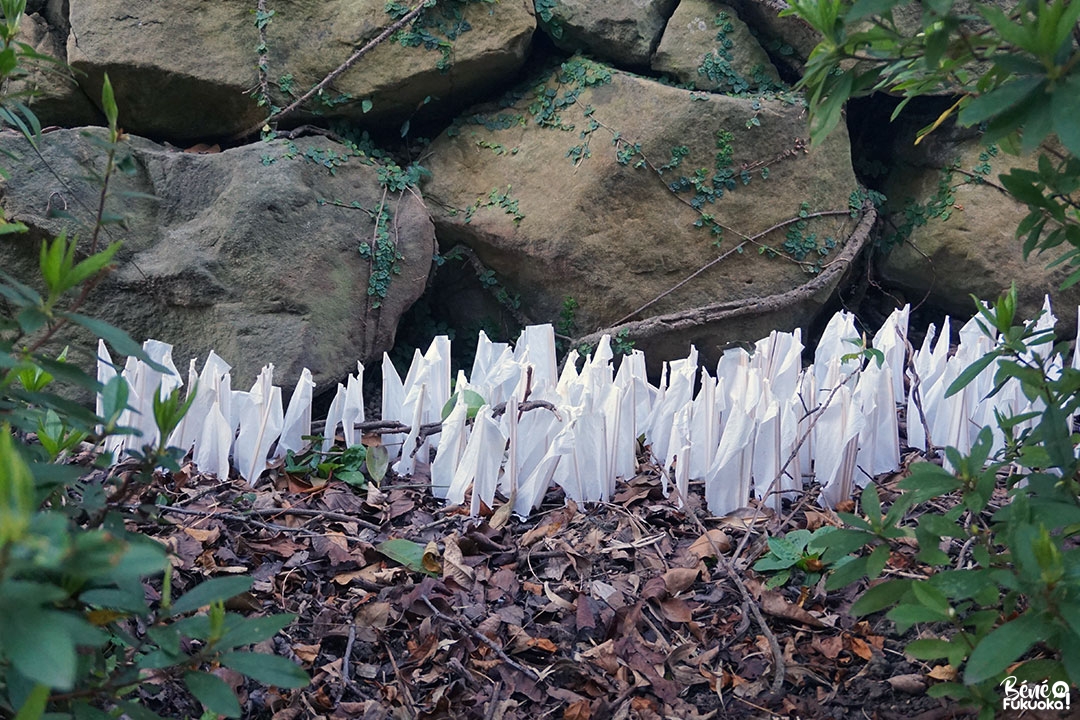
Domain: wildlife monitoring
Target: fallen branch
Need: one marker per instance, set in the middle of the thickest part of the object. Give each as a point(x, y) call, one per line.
point(249, 515)
point(393, 427)
point(687, 320)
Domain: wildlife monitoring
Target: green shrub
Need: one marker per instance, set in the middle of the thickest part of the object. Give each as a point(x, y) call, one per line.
point(1016, 583)
point(1016, 76)
point(78, 636)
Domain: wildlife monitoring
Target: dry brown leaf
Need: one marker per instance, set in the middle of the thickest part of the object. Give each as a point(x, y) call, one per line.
point(578, 711)
point(861, 648)
point(347, 577)
point(453, 566)
point(703, 547)
point(203, 149)
point(501, 516)
point(382, 575)
point(773, 603)
point(558, 601)
point(946, 673)
point(376, 615)
point(430, 558)
point(830, 647)
point(912, 683)
point(676, 580)
point(543, 644)
point(204, 536)
point(676, 610)
point(307, 653)
point(816, 519)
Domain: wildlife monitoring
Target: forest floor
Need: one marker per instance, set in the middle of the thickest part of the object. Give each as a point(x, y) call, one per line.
point(629, 609)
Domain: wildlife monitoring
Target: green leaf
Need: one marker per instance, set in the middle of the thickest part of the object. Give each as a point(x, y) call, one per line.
point(366, 105)
point(1025, 191)
point(120, 340)
point(865, 8)
point(928, 649)
point(377, 462)
point(135, 711)
point(108, 103)
point(1065, 108)
point(839, 543)
point(932, 598)
point(907, 615)
point(84, 711)
point(871, 505)
point(241, 631)
point(213, 692)
point(846, 573)
point(16, 490)
point(408, 553)
point(34, 705)
point(880, 597)
point(771, 562)
point(116, 599)
point(114, 398)
point(92, 265)
point(971, 372)
point(211, 591)
point(267, 669)
point(40, 647)
point(877, 561)
point(997, 101)
point(473, 402)
point(996, 651)
point(783, 549)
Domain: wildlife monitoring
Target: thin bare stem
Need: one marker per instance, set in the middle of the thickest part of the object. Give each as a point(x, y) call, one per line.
point(336, 72)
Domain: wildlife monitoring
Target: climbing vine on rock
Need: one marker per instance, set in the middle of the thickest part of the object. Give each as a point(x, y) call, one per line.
point(717, 67)
point(942, 203)
point(380, 249)
point(436, 29)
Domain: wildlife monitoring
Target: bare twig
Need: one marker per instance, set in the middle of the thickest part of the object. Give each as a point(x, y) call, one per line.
point(738, 248)
point(345, 679)
point(484, 639)
point(247, 515)
point(335, 73)
point(393, 427)
point(727, 565)
point(916, 399)
point(685, 320)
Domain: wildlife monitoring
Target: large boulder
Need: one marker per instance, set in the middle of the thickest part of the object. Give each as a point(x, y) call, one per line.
point(623, 193)
point(952, 229)
point(50, 91)
point(620, 32)
point(253, 252)
point(788, 38)
point(706, 45)
point(188, 69)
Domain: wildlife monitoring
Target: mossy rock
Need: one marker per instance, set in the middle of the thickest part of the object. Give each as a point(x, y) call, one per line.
point(558, 192)
point(188, 70)
point(707, 46)
point(238, 252)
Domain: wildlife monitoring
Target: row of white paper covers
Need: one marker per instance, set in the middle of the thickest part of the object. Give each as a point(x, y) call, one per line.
point(760, 425)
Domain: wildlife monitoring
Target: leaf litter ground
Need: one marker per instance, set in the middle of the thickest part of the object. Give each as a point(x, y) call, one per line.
point(621, 610)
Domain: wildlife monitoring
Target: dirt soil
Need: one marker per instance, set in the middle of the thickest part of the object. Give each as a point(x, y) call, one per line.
point(622, 610)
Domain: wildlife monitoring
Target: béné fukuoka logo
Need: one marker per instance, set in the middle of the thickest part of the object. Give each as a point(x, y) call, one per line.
point(1035, 696)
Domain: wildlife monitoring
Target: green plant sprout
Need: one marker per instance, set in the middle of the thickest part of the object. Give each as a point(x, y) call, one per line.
point(794, 555)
